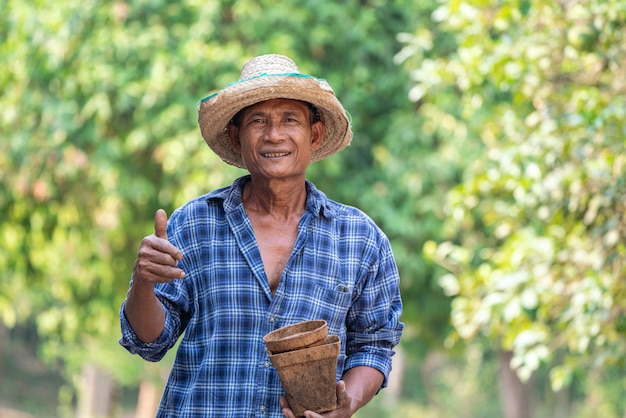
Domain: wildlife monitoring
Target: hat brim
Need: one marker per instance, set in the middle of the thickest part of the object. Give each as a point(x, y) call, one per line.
point(216, 111)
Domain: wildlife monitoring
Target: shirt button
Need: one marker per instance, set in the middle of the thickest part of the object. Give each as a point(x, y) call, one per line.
point(272, 318)
point(267, 364)
point(262, 408)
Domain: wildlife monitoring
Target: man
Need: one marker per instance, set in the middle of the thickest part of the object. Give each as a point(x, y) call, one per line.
point(268, 251)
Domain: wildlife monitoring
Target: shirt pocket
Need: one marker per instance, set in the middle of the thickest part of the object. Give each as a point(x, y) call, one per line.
point(333, 305)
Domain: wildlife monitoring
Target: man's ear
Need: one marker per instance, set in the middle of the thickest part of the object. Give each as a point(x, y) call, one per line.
point(317, 135)
point(233, 134)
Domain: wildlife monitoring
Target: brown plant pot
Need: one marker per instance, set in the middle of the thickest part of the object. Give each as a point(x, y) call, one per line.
point(308, 376)
point(296, 336)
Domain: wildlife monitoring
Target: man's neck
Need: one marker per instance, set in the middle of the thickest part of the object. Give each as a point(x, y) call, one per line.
point(277, 198)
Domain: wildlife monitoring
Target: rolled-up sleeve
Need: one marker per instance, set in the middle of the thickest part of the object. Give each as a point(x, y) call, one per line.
point(155, 350)
point(374, 327)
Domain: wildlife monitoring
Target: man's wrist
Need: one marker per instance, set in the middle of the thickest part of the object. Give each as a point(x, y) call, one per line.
point(141, 286)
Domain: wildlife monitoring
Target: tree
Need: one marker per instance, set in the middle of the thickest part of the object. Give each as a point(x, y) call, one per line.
point(99, 130)
point(536, 229)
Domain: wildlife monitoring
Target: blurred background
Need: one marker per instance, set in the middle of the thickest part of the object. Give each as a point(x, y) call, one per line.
point(488, 144)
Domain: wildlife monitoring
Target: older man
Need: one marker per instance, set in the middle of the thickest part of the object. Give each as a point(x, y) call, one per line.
point(267, 251)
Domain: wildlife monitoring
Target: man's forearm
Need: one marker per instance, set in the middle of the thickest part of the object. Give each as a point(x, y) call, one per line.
point(144, 312)
point(362, 383)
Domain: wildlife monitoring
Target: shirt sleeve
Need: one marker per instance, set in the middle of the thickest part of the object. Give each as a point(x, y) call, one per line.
point(175, 300)
point(373, 326)
point(155, 350)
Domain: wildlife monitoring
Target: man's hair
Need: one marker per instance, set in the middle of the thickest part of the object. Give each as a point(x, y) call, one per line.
point(314, 114)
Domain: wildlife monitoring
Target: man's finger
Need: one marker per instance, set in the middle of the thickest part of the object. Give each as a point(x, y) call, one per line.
point(343, 397)
point(160, 224)
point(287, 413)
point(342, 393)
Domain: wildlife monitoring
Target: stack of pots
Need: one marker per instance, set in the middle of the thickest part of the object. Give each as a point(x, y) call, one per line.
point(305, 357)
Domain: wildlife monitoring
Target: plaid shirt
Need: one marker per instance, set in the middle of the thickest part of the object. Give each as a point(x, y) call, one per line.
point(341, 270)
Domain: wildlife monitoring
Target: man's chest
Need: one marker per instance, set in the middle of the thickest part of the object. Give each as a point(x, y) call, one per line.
point(275, 242)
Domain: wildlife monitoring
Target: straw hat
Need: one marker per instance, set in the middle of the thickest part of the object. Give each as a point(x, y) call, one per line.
point(272, 77)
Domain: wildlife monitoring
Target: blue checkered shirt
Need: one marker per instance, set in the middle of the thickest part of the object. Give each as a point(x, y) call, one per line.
point(341, 270)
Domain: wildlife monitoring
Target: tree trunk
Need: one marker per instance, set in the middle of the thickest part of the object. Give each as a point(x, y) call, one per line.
point(561, 408)
point(147, 400)
point(515, 395)
point(430, 369)
point(95, 395)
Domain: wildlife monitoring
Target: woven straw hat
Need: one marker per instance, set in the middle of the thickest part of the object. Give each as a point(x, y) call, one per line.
point(272, 77)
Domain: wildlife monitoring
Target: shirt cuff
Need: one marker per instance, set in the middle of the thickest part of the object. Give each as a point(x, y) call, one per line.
point(152, 351)
point(377, 358)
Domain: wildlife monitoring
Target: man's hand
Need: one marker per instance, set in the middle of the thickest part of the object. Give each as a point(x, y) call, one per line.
point(157, 257)
point(356, 388)
point(156, 263)
point(343, 410)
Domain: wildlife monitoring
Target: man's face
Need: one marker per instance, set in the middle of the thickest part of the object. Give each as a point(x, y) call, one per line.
point(276, 138)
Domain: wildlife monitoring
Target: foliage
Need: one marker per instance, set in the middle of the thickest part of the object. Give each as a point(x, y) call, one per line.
point(99, 130)
point(537, 228)
point(94, 122)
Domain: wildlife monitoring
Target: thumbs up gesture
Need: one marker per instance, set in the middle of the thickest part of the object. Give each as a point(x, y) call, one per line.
point(157, 258)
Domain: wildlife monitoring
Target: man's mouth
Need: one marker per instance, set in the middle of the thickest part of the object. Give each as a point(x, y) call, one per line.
point(275, 154)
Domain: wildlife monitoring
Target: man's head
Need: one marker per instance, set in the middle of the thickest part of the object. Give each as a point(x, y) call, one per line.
point(272, 77)
point(276, 138)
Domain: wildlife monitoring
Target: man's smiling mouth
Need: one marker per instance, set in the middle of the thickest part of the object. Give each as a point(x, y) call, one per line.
point(275, 154)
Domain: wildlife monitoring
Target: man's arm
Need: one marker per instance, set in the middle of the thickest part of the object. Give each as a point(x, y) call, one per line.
point(144, 312)
point(156, 263)
point(361, 384)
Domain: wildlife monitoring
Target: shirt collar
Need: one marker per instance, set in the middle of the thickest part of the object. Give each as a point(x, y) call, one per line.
point(316, 201)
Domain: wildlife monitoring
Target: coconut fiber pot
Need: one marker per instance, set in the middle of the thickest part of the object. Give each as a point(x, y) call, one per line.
point(296, 336)
point(308, 376)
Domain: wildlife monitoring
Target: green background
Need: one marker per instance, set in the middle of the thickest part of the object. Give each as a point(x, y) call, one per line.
point(488, 144)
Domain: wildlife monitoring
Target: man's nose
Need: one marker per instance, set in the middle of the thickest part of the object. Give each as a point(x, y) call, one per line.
point(273, 131)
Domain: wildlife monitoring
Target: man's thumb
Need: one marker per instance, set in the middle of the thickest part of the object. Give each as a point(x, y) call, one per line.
point(160, 223)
